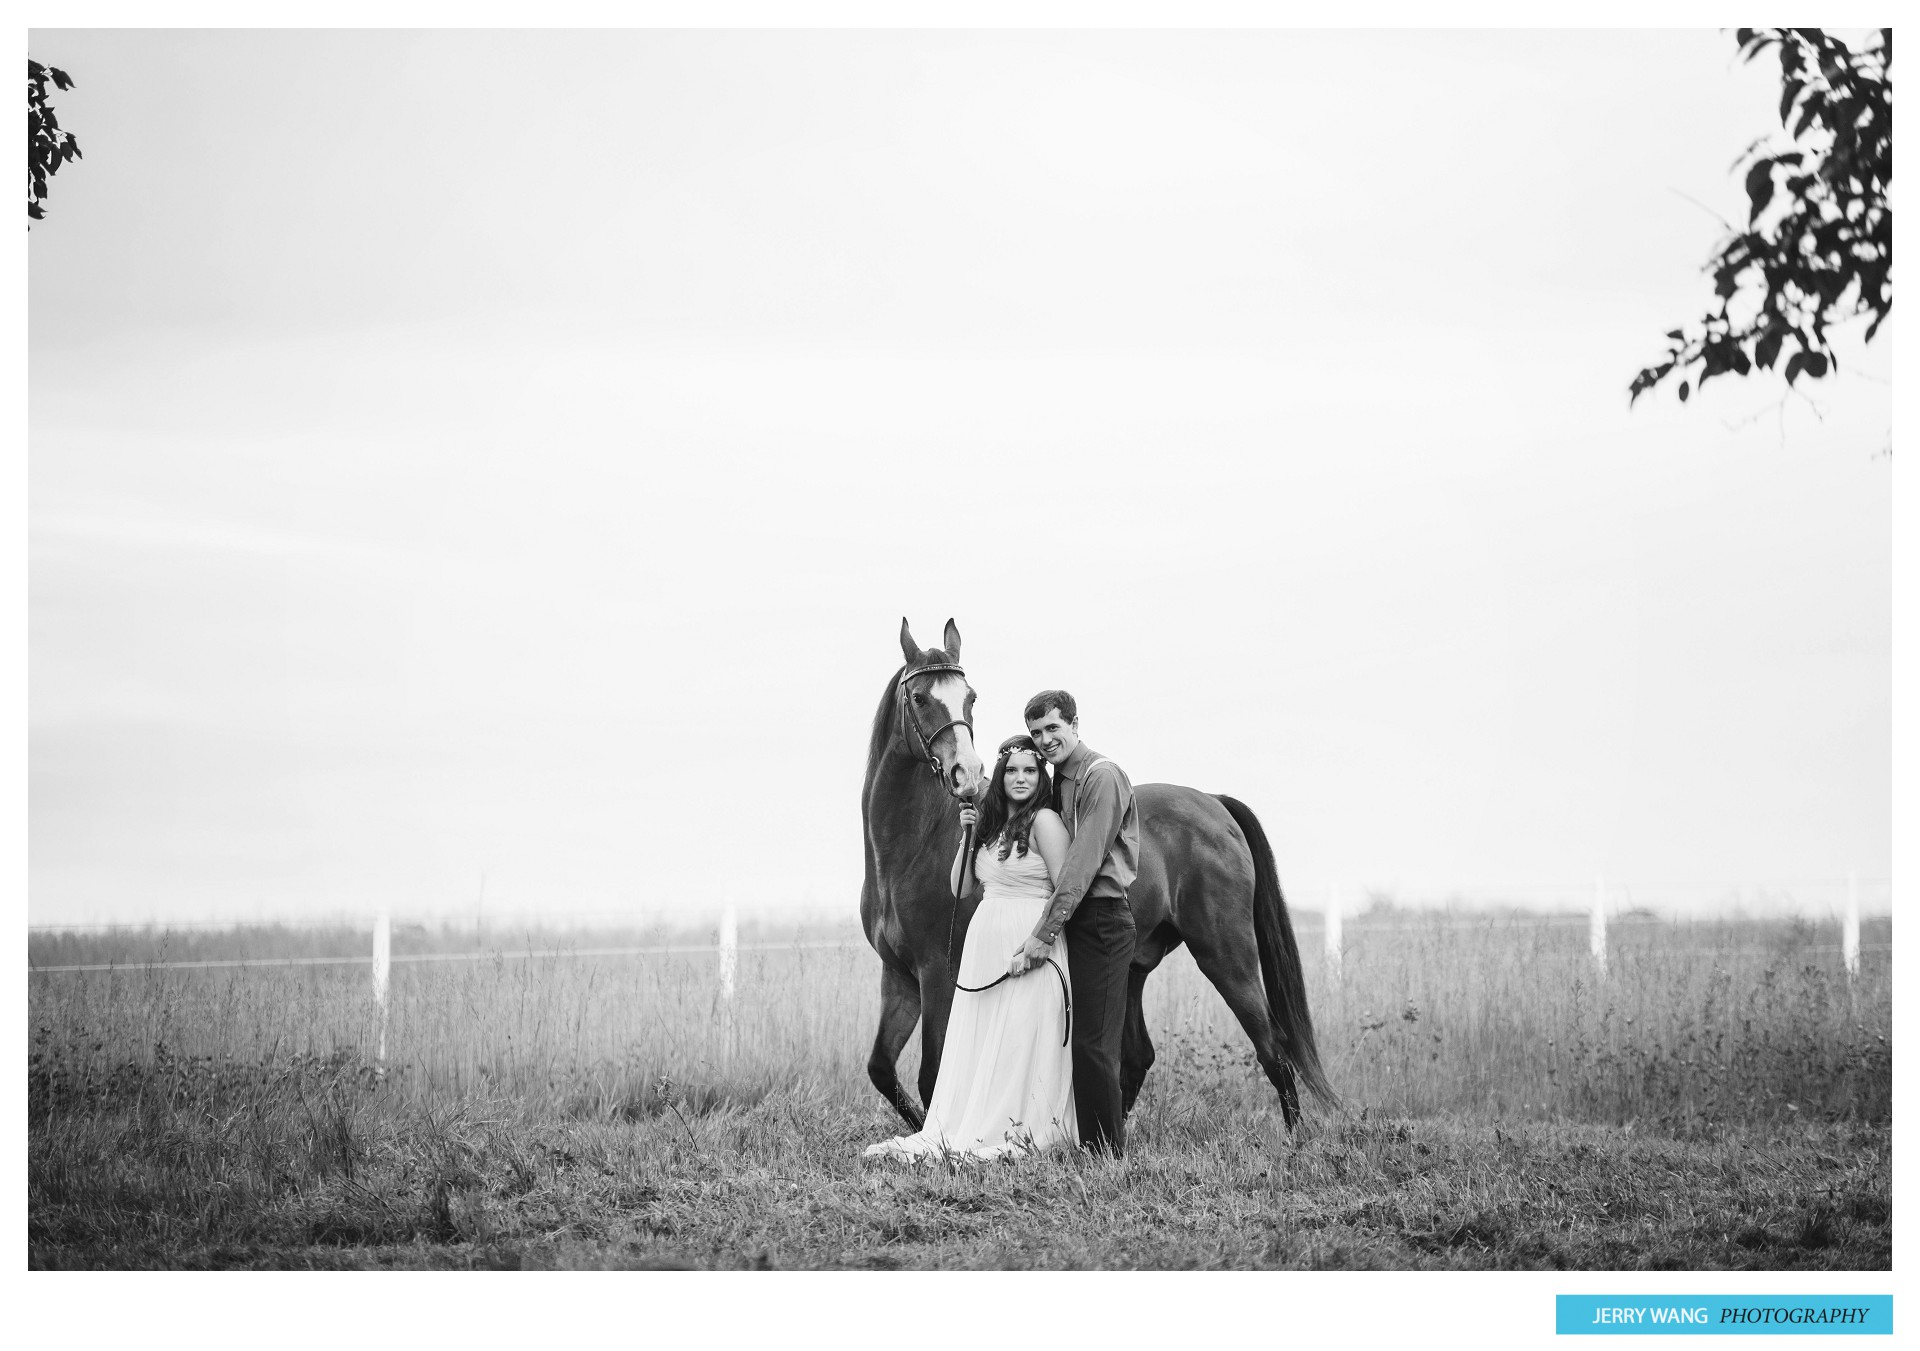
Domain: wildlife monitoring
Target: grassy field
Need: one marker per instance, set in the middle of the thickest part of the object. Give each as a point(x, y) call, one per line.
point(1720, 1099)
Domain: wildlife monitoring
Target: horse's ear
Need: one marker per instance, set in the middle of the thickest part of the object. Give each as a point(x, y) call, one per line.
point(907, 645)
point(952, 639)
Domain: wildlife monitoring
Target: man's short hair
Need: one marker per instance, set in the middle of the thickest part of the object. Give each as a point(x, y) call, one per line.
point(1038, 705)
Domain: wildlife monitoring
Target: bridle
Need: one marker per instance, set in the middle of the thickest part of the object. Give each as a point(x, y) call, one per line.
point(926, 742)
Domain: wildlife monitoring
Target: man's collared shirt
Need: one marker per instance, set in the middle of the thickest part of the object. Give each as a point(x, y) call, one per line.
point(1103, 835)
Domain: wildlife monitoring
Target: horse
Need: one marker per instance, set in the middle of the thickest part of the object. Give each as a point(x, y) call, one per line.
point(1206, 878)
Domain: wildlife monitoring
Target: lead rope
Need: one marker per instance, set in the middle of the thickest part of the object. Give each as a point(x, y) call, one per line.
point(1066, 994)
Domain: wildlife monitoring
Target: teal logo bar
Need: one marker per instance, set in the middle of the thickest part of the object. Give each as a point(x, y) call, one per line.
point(1720, 1315)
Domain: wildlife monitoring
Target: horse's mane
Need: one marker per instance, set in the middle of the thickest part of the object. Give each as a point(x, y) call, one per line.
point(883, 716)
point(883, 724)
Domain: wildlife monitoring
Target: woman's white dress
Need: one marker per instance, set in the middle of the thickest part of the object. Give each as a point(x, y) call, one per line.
point(1006, 1078)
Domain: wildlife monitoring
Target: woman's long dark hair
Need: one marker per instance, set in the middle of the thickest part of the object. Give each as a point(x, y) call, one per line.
point(999, 818)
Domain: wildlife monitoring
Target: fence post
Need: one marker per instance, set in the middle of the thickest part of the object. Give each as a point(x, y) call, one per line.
point(382, 969)
point(729, 951)
point(729, 960)
point(1850, 928)
point(1333, 930)
point(1597, 926)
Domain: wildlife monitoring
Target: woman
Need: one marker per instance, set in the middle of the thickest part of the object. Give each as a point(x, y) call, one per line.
point(1006, 1074)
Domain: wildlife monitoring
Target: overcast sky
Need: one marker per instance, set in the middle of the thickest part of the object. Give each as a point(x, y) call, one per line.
point(461, 456)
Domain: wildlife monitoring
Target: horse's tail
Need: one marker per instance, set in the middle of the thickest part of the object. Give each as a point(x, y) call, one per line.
point(1280, 956)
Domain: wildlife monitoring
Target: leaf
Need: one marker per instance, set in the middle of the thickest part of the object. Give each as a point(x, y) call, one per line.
point(61, 79)
point(1767, 350)
point(1787, 96)
point(1684, 391)
point(1795, 363)
point(1759, 188)
point(1816, 364)
point(1676, 334)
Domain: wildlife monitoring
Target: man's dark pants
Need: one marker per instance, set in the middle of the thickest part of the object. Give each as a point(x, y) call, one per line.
point(1099, 950)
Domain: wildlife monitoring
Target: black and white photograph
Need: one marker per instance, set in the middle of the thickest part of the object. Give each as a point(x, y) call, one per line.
point(940, 648)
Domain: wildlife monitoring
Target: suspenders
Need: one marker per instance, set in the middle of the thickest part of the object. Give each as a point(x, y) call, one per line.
point(1084, 771)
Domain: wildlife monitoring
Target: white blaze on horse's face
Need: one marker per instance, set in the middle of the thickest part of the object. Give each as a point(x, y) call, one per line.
point(944, 699)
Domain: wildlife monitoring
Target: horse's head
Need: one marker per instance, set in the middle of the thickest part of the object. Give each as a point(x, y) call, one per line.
point(936, 711)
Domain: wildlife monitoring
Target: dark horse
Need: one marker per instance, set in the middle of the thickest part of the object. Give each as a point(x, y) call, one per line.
point(1207, 879)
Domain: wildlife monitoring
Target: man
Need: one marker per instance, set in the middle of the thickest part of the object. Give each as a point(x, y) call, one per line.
point(1089, 905)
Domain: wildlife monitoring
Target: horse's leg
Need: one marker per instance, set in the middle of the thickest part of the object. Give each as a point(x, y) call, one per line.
point(1136, 1047)
point(1225, 950)
point(899, 1010)
point(936, 1003)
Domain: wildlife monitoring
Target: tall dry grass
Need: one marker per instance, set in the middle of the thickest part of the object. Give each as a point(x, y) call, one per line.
point(1692, 1025)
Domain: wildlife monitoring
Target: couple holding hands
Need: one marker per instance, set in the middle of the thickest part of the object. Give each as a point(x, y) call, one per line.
point(1033, 1061)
